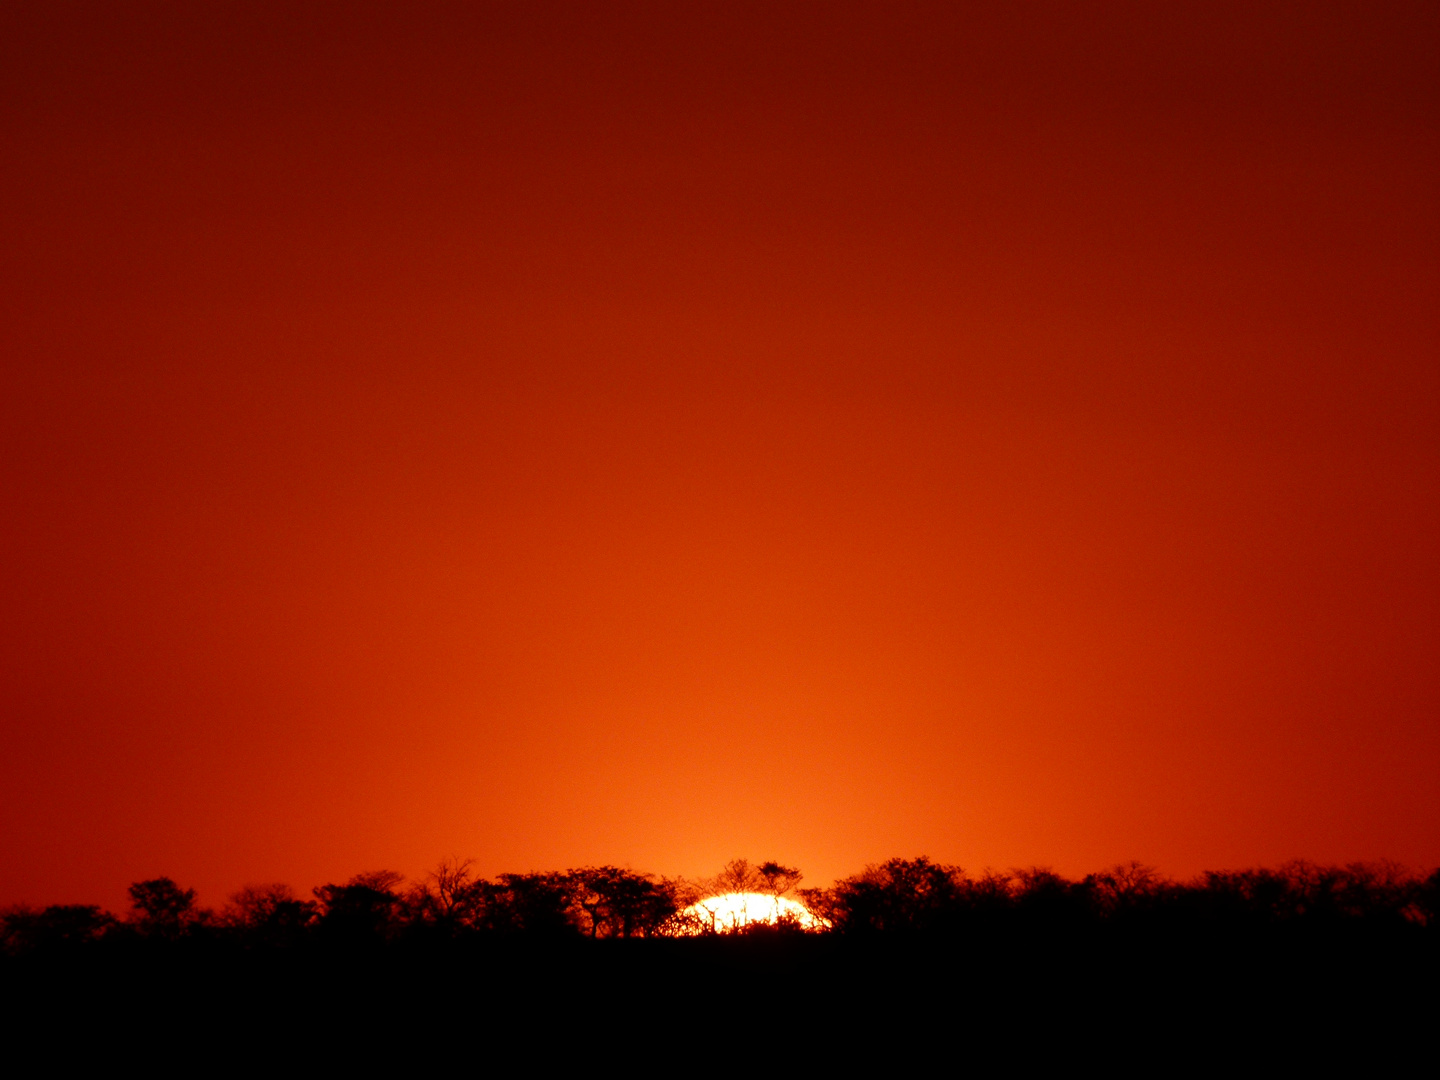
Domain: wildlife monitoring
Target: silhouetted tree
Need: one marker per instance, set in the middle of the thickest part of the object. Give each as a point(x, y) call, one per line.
point(161, 909)
point(989, 895)
point(1268, 895)
point(364, 908)
point(738, 876)
point(621, 903)
point(1123, 888)
point(1379, 890)
point(779, 880)
point(1046, 898)
point(538, 905)
point(450, 900)
point(268, 915)
point(898, 896)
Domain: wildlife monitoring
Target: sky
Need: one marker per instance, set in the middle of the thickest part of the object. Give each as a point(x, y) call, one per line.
point(649, 434)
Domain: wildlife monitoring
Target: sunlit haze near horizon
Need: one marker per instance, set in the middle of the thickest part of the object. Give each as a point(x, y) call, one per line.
point(653, 434)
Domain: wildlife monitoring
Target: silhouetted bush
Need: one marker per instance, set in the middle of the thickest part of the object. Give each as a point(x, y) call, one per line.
point(58, 927)
point(1426, 908)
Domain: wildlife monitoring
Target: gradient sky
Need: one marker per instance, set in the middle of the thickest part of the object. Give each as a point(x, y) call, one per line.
point(649, 434)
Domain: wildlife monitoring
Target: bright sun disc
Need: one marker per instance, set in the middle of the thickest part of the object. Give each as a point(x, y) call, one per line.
point(732, 911)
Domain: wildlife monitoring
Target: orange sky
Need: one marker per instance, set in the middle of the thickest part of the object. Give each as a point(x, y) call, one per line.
point(654, 434)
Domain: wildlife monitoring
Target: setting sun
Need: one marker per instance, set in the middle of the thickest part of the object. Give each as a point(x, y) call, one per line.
point(734, 911)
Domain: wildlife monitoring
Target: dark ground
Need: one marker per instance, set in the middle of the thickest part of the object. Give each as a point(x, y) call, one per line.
point(771, 1004)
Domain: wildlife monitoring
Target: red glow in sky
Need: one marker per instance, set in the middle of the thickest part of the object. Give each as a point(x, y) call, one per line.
point(650, 434)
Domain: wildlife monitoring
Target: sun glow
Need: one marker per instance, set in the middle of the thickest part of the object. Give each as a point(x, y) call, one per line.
point(735, 911)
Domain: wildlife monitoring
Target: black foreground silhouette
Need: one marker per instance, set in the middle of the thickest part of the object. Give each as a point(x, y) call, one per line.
point(909, 954)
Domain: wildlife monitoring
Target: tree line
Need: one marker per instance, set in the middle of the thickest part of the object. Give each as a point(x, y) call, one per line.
point(892, 900)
